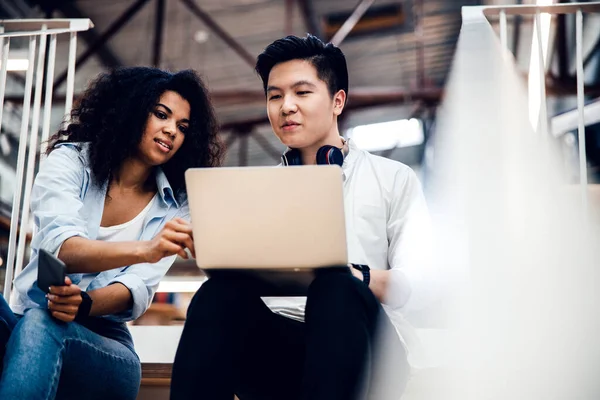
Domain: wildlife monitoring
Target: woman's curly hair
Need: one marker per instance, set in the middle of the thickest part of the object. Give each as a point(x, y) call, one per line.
point(112, 114)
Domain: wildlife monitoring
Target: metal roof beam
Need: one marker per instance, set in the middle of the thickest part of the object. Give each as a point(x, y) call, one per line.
point(159, 18)
point(105, 54)
point(220, 32)
point(310, 19)
point(358, 12)
point(102, 39)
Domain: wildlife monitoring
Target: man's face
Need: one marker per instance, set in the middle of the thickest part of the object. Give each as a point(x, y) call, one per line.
point(301, 111)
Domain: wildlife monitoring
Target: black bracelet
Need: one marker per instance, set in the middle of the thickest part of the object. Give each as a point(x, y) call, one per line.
point(84, 308)
point(366, 272)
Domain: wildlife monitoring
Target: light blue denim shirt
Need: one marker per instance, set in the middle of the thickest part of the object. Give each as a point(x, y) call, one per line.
point(65, 202)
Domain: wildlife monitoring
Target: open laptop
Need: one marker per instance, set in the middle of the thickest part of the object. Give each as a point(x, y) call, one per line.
point(278, 224)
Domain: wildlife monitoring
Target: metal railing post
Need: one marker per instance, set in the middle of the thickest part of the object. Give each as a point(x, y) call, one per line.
point(580, 103)
point(16, 206)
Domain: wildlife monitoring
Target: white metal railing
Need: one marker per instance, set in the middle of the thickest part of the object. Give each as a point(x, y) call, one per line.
point(566, 8)
point(34, 29)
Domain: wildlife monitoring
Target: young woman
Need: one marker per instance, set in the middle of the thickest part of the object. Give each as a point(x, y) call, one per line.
point(110, 202)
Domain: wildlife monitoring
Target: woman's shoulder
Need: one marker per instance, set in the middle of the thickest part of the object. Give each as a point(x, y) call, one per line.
point(69, 153)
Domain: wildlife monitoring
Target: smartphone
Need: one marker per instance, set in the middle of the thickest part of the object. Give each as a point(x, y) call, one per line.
point(51, 271)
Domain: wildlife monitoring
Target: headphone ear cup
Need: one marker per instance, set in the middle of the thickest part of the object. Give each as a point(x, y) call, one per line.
point(291, 157)
point(330, 155)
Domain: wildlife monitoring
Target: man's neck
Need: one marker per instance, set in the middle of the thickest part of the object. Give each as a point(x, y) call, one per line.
point(309, 154)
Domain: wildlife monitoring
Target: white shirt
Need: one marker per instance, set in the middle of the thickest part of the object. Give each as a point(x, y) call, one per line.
point(387, 227)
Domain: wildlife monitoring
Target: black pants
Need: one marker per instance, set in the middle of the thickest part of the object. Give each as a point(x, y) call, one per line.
point(233, 344)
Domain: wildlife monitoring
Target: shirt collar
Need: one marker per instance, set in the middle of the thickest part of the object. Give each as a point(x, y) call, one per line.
point(353, 153)
point(164, 188)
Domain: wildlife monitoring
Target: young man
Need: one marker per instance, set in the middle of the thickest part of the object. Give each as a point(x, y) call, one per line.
point(348, 342)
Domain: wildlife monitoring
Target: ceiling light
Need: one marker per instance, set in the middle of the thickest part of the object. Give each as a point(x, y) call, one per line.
point(387, 135)
point(17, 64)
point(201, 36)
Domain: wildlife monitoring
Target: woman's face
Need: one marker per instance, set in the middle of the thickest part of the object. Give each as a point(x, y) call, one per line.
point(165, 129)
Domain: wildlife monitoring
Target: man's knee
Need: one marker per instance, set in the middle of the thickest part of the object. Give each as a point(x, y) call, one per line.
point(340, 296)
point(227, 296)
point(333, 285)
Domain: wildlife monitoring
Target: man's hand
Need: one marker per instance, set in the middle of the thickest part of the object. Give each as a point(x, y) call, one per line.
point(379, 281)
point(64, 301)
point(357, 274)
point(172, 239)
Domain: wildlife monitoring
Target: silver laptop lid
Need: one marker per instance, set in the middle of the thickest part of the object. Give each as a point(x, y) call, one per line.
point(267, 217)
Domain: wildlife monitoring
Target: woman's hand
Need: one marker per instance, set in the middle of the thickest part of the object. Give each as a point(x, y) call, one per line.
point(172, 239)
point(64, 301)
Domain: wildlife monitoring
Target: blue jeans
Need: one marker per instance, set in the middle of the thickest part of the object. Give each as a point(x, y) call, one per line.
point(50, 359)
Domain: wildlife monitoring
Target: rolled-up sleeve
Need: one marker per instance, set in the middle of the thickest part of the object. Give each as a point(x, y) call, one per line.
point(412, 278)
point(56, 203)
point(142, 280)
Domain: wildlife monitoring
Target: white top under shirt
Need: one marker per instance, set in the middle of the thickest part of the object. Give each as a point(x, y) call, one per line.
point(125, 232)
